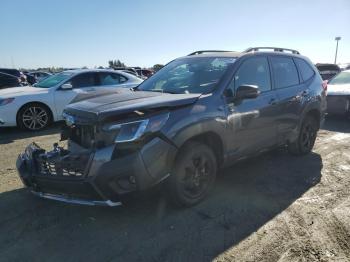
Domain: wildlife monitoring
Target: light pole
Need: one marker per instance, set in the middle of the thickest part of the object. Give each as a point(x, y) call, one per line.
point(336, 50)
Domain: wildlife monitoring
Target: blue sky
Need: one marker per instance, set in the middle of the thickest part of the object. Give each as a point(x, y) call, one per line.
point(75, 33)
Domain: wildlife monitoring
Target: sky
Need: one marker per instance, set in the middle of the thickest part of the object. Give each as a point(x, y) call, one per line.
point(77, 33)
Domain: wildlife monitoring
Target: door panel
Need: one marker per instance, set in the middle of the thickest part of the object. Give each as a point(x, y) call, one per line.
point(290, 94)
point(251, 122)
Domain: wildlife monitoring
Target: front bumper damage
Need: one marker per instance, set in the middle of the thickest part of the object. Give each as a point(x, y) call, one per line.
point(94, 177)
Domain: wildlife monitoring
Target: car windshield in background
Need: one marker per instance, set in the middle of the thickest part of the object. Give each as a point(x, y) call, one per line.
point(341, 79)
point(54, 80)
point(188, 75)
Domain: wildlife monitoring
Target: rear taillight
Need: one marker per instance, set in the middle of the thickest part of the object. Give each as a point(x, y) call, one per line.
point(325, 85)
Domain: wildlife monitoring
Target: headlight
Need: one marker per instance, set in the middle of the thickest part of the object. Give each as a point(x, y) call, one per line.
point(6, 101)
point(131, 131)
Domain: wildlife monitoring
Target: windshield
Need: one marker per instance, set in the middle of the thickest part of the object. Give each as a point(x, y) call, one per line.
point(341, 78)
point(53, 80)
point(188, 75)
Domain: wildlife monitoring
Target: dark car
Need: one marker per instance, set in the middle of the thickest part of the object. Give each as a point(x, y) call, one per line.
point(327, 71)
point(196, 115)
point(7, 81)
point(144, 73)
point(31, 79)
point(17, 73)
point(36, 76)
point(39, 75)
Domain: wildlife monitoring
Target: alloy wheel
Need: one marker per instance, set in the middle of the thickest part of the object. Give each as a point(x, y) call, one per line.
point(35, 118)
point(196, 177)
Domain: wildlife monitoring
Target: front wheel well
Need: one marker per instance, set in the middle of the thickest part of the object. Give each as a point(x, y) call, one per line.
point(213, 141)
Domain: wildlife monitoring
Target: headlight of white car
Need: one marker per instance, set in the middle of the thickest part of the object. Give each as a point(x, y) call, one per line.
point(6, 101)
point(131, 131)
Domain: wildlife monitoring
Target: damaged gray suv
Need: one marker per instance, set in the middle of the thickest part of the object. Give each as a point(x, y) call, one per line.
point(179, 127)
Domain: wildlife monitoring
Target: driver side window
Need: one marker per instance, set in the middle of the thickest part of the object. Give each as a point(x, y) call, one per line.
point(83, 80)
point(253, 71)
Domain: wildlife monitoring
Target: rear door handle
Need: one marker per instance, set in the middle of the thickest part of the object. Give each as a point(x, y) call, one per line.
point(273, 101)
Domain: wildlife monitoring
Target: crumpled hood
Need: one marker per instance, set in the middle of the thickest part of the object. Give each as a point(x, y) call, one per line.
point(21, 90)
point(338, 89)
point(123, 101)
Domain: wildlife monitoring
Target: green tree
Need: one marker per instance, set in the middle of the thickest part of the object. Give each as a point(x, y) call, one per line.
point(157, 67)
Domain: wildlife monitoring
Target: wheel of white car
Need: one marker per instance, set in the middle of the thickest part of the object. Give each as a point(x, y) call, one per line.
point(34, 117)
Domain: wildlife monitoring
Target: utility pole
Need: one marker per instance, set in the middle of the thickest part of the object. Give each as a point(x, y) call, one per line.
point(336, 49)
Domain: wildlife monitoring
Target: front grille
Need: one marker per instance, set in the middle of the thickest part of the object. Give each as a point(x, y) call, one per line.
point(83, 136)
point(72, 167)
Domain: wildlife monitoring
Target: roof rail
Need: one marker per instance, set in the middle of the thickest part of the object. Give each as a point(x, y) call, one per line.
point(207, 51)
point(275, 49)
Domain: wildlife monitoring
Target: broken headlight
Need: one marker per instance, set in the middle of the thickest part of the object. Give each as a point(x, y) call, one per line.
point(131, 131)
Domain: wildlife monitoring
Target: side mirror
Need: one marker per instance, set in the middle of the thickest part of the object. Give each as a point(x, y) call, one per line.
point(247, 92)
point(66, 86)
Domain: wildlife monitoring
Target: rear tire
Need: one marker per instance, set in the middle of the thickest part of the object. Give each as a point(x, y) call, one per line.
point(193, 174)
point(34, 117)
point(307, 137)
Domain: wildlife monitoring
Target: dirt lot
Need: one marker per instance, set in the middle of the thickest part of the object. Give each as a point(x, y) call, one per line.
point(271, 208)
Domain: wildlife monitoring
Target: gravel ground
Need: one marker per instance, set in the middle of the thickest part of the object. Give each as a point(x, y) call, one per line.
point(271, 208)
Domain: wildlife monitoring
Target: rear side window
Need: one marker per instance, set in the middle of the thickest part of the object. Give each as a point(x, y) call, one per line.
point(305, 69)
point(254, 71)
point(111, 79)
point(285, 72)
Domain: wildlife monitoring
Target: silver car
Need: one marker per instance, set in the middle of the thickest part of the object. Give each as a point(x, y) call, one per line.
point(35, 107)
point(338, 96)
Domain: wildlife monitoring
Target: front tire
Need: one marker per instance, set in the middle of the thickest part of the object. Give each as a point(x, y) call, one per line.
point(34, 117)
point(307, 137)
point(193, 175)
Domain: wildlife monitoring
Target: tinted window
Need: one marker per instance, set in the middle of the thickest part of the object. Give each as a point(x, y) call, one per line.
point(285, 72)
point(7, 81)
point(328, 67)
point(10, 71)
point(83, 80)
point(111, 79)
point(305, 69)
point(254, 71)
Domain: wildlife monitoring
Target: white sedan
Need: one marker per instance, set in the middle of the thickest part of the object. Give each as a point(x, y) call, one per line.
point(35, 107)
point(338, 94)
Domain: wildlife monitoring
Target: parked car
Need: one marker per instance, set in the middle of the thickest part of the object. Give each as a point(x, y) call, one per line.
point(197, 114)
point(17, 73)
point(144, 73)
point(40, 75)
point(7, 81)
point(129, 70)
point(35, 107)
point(327, 71)
point(338, 94)
point(30, 78)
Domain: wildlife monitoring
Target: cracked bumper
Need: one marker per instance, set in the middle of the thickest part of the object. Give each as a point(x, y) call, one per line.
point(108, 174)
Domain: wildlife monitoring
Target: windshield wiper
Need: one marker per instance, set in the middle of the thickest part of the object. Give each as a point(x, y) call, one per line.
point(161, 91)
